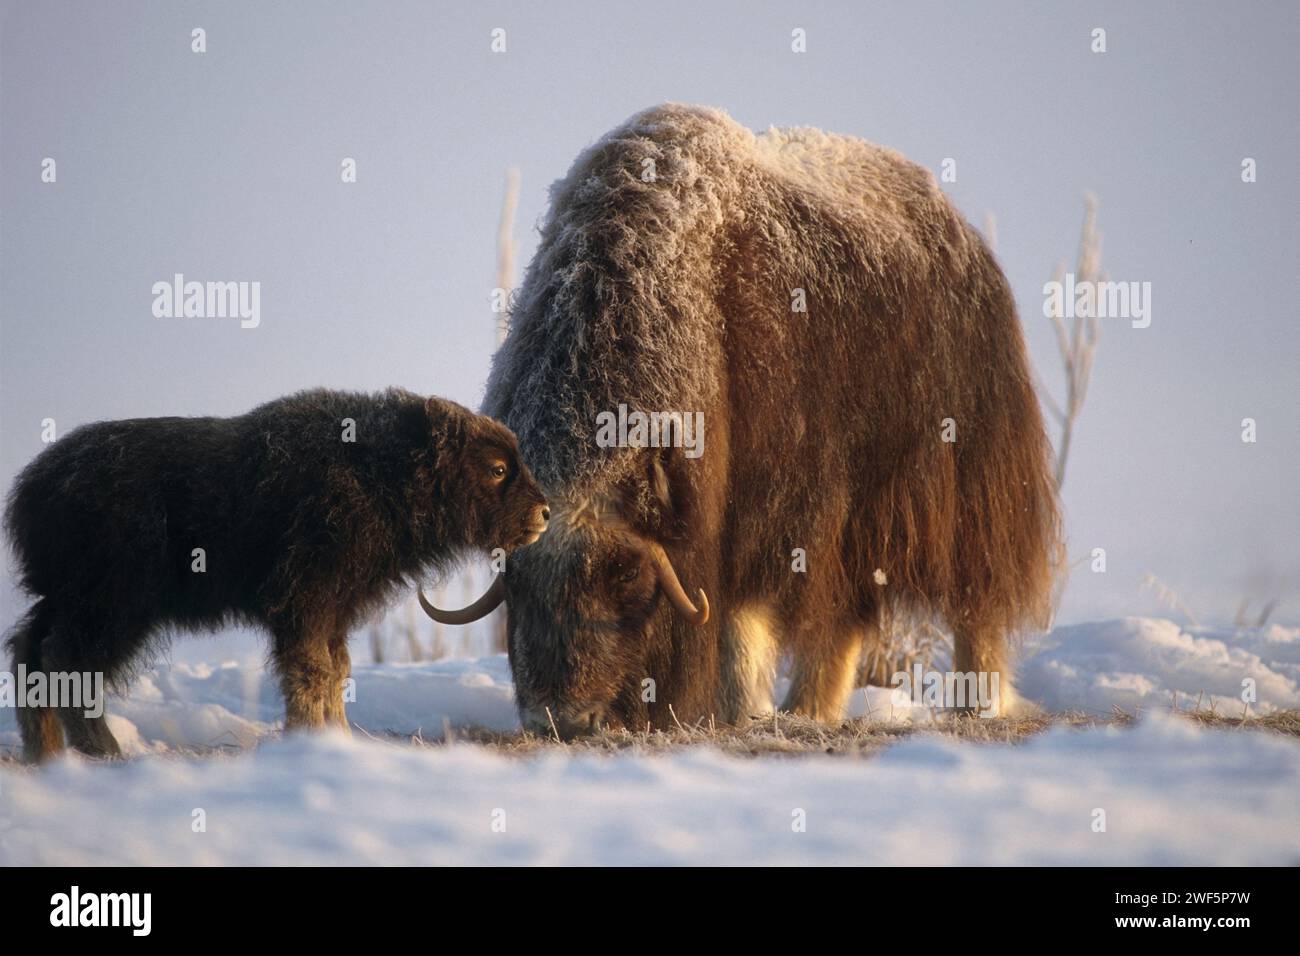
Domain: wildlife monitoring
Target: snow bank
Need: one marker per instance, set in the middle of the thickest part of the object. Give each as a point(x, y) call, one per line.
point(1138, 663)
point(1171, 793)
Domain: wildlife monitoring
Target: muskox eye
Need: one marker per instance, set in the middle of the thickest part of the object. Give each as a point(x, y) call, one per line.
point(626, 575)
point(498, 470)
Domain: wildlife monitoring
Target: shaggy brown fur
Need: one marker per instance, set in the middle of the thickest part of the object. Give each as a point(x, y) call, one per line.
point(306, 528)
point(824, 428)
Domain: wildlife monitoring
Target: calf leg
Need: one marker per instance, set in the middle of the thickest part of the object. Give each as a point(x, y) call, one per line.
point(41, 729)
point(823, 675)
point(335, 709)
point(306, 668)
point(64, 653)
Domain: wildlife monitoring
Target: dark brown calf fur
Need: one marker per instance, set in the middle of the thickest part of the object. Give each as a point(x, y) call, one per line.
point(304, 534)
point(669, 277)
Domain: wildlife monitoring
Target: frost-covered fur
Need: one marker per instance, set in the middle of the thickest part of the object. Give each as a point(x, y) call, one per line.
point(665, 278)
point(597, 320)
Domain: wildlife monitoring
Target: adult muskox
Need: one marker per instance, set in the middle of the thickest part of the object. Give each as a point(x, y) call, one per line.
point(301, 516)
point(855, 352)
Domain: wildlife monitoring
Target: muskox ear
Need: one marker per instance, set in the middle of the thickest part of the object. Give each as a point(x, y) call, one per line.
point(662, 497)
point(661, 492)
point(649, 498)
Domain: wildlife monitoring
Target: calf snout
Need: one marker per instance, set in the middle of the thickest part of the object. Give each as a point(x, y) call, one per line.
point(538, 519)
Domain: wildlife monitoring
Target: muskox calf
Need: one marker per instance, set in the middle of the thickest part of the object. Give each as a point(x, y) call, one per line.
point(302, 516)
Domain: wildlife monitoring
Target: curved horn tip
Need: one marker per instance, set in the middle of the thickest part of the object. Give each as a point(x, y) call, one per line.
point(672, 587)
point(703, 616)
point(485, 605)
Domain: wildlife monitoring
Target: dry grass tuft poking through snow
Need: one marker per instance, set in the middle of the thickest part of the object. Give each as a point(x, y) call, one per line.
point(791, 735)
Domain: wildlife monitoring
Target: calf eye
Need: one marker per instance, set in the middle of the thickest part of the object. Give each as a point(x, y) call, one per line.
point(626, 574)
point(498, 470)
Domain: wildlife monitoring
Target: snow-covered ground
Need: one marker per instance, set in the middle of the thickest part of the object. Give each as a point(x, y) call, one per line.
point(1170, 792)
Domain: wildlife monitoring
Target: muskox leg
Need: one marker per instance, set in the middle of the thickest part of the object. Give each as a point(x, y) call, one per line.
point(335, 709)
point(306, 668)
point(750, 650)
point(823, 674)
point(983, 651)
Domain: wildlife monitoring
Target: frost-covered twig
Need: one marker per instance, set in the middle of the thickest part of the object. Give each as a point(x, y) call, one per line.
point(506, 283)
point(413, 632)
point(1169, 597)
point(1078, 345)
point(506, 250)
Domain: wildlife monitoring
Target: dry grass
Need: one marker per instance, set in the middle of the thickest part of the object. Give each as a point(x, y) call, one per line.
point(790, 735)
point(1283, 722)
point(786, 735)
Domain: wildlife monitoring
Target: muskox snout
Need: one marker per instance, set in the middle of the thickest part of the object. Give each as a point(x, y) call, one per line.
point(566, 722)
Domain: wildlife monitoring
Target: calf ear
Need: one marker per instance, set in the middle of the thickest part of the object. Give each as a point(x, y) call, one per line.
point(439, 410)
point(443, 423)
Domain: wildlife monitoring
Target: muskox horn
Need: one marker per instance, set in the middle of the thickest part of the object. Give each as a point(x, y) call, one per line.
point(673, 588)
point(484, 606)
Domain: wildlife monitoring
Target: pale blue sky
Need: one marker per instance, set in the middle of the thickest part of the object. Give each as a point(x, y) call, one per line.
point(225, 165)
